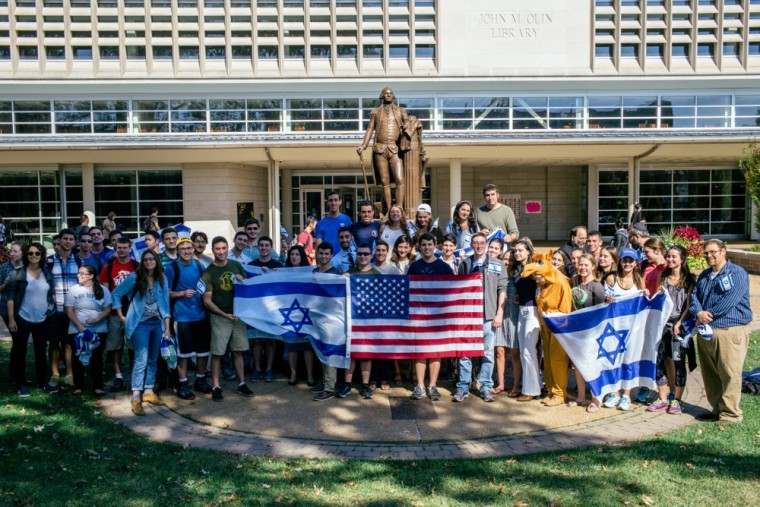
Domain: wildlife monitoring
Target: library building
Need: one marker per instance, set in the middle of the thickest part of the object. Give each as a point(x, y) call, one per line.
point(213, 109)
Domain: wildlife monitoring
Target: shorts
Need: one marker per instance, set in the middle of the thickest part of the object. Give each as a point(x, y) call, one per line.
point(115, 339)
point(193, 338)
point(224, 331)
point(59, 329)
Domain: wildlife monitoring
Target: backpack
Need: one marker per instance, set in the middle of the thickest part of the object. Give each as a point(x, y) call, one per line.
point(147, 224)
point(751, 381)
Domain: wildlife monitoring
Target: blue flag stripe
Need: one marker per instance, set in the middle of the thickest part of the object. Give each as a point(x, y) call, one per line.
point(626, 371)
point(589, 318)
point(289, 288)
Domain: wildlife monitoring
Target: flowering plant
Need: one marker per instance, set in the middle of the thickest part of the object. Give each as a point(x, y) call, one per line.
point(689, 238)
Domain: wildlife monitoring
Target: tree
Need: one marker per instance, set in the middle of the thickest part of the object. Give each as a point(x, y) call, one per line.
point(750, 167)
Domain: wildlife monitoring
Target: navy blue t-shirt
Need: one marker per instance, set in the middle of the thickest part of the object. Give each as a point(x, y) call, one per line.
point(366, 233)
point(437, 267)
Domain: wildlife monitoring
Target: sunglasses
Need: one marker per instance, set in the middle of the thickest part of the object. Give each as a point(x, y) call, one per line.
point(85, 241)
point(363, 254)
point(34, 254)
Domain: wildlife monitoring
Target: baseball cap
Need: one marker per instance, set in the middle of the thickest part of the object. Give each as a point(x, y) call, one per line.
point(630, 253)
point(425, 207)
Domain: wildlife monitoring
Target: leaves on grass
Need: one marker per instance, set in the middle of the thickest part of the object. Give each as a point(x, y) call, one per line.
point(514, 461)
point(502, 489)
point(647, 500)
point(318, 491)
point(205, 472)
point(565, 457)
point(38, 429)
point(690, 466)
point(521, 504)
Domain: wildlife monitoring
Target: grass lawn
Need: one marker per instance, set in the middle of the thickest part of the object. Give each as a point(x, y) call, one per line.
point(61, 450)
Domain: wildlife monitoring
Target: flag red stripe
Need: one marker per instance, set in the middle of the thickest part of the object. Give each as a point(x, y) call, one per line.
point(396, 328)
point(440, 304)
point(422, 291)
point(465, 316)
point(386, 342)
point(417, 355)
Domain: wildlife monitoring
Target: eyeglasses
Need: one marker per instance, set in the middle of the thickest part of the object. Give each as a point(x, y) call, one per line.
point(363, 254)
point(82, 273)
point(711, 252)
point(149, 259)
point(34, 254)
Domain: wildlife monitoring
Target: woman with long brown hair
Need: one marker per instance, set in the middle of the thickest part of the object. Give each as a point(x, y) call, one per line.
point(146, 322)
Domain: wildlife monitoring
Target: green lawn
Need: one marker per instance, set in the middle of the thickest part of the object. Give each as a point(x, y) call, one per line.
point(60, 450)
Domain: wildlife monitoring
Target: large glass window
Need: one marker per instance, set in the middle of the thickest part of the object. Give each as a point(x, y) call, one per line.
point(711, 200)
point(131, 193)
point(613, 199)
point(30, 202)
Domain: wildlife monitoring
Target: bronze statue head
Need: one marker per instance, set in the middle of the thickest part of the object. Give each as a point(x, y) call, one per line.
point(387, 95)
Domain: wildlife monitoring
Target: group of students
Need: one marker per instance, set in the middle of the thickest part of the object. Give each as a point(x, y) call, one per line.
point(175, 289)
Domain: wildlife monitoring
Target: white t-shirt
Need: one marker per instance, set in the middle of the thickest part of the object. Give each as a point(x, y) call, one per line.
point(34, 306)
point(82, 299)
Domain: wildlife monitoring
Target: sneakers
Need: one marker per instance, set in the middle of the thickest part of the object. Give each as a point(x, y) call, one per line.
point(625, 403)
point(554, 401)
point(256, 377)
point(201, 385)
point(23, 392)
point(185, 392)
point(675, 408)
point(433, 393)
point(612, 401)
point(658, 406)
point(137, 407)
point(117, 386)
point(324, 395)
point(68, 379)
point(344, 390)
point(488, 396)
point(50, 388)
point(153, 399)
point(244, 390)
point(229, 374)
point(216, 394)
point(643, 395)
point(418, 393)
point(269, 376)
point(366, 392)
point(460, 396)
point(318, 387)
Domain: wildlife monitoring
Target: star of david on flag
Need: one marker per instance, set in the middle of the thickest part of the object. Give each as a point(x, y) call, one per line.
point(614, 345)
point(294, 305)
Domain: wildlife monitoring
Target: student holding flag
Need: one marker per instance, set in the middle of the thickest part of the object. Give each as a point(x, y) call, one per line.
point(463, 224)
point(625, 281)
point(679, 282)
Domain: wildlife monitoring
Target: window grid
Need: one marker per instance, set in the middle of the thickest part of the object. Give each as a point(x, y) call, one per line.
point(652, 33)
point(351, 114)
point(227, 32)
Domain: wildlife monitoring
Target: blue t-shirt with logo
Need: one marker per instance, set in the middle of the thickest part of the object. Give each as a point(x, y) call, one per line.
point(327, 229)
point(366, 233)
point(187, 309)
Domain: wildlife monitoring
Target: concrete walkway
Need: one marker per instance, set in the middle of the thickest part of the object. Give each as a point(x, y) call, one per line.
point(551, 429)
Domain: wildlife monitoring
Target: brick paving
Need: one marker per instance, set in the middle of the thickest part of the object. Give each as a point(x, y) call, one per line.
point(163, 425)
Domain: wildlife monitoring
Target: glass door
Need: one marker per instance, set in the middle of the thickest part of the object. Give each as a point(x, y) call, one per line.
point(313, 204)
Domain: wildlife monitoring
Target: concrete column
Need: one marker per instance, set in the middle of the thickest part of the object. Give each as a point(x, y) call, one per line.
point(287, 200)
point(455, 182)
point(274, 202)
point(88, 187)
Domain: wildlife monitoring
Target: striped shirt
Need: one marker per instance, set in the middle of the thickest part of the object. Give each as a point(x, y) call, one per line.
point(64, 277)
point(726, 296)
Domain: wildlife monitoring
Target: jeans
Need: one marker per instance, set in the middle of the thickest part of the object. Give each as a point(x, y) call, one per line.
point(20, 339)
point(485, 379)
point(146, 340)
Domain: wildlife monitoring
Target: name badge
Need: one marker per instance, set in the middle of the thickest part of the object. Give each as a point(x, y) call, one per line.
point(201, 286)
point(726, 282)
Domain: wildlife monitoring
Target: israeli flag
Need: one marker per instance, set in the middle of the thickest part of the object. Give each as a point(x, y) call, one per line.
point(138, 245)
point(614, 345)
point(411, 229)
point(297, 306)
point(462, 253)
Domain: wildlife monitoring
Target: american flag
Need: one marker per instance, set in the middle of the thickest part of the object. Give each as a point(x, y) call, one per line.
point(415, 317)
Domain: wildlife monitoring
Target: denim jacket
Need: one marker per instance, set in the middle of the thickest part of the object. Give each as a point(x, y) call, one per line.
point(16, 290)
point(136, 308)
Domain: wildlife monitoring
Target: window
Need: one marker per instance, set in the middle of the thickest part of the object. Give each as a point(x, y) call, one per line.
point(320, 52)
point(109, 52)
point(603, 50)
point(706, 50)
point(162, 52)
point(629, 50)
point(613, 199)
point(268, 52)
point(655, 50)
point(82, 53)
point(422, 51)
point(72, 117)
point(242, 52)
point(731, 49)
point(135, 52)
point(27, 52)
point(55, 53)
point(712, 200)
point(31, 202)
point(131, 193)
point(373, 51)
point(215, 52)
point(680, 50)
point(188, 53)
